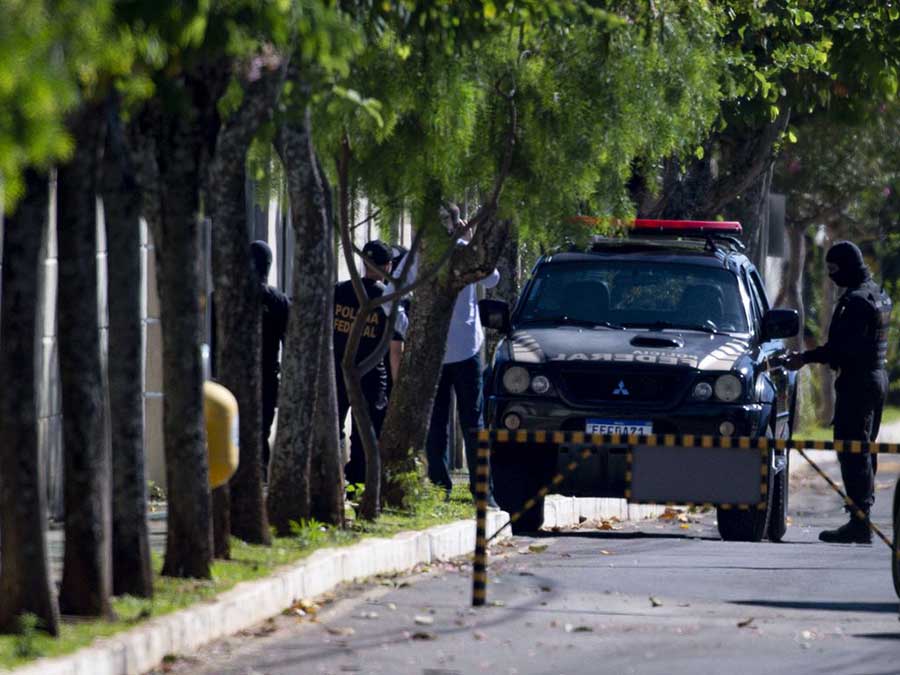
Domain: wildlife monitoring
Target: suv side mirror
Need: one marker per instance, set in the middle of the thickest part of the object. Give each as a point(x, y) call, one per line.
point(495, 314)
point(780, 323)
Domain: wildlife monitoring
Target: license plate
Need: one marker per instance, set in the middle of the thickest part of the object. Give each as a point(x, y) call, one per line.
point(597, 426)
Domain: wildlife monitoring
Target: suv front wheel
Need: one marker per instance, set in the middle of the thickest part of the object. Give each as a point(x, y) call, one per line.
point(747, 524)
point(519, 471)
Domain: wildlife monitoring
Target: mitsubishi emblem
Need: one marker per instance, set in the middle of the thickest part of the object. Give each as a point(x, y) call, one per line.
point(620, 390)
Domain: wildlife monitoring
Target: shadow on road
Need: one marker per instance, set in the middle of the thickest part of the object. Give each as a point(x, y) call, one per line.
point(878, 636)
point(834, 606)
point(610, 534)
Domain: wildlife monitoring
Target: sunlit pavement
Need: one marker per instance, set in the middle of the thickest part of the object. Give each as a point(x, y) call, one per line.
point(658, 596)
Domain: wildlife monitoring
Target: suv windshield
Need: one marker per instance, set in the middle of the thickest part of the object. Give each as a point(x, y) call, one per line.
point(636, 294)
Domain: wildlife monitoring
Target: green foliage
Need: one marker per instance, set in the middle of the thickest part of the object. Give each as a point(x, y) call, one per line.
point(25, 640)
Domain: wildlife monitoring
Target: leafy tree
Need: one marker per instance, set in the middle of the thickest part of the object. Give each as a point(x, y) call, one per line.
point(785, 61)
point(547, 103)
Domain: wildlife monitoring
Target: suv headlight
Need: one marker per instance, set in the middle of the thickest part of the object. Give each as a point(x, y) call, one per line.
point(540, 384)
point(702, 391)
point(516, 380)
point(728, 388)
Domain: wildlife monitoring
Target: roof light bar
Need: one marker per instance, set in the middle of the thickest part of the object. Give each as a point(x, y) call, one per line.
point(679, 226)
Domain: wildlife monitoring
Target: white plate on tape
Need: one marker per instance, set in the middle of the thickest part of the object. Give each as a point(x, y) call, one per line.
point(606, 426)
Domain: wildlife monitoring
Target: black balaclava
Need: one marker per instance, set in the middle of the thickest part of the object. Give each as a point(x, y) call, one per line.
point(852, 270)
point(262, 258)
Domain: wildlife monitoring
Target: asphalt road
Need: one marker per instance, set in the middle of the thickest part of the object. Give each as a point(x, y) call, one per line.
point(657, 596)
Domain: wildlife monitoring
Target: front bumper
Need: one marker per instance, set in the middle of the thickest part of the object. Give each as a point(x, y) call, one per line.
point(603, 472)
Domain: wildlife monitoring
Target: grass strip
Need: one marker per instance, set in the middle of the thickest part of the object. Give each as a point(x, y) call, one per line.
point(248, 562)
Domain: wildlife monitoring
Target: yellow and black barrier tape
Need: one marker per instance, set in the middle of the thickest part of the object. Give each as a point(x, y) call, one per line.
point(479, 563)
point(854, 509)
point(683, 440)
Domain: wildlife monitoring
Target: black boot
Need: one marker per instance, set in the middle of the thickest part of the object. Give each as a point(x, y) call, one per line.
point(856, 531)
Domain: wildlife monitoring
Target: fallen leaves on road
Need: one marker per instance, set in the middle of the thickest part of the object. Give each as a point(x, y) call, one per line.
point(569, 628)
point(423, 620)
point(685, 526)
point(746, 623)
point(609, 524)
point(537, 548)
point(603, 551)
point(341, 631)
point(655, 602)
point(546, 589)
point(478, 635)
point(368, 615)
point(424, 635)
point(669, 514)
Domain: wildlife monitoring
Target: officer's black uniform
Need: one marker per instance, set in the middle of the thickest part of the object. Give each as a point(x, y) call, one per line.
point(375, 382)
point(275, 307)
point(857, 349)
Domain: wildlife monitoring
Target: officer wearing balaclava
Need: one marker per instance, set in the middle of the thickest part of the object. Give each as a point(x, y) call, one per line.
point(275, 306)
point(857, 350)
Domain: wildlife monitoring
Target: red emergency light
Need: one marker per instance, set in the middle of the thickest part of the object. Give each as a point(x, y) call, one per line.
point(730, 227)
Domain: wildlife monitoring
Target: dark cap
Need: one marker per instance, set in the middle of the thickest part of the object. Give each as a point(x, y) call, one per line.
point(377, 252)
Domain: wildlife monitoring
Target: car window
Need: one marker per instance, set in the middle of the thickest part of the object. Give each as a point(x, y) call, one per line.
point(637, 293)
point(760, 289)
point(755, 301)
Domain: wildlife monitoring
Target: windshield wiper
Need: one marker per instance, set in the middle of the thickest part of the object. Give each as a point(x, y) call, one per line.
point(572, 321)
point(664, 325)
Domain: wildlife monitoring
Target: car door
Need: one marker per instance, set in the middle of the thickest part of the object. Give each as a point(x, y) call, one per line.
point(778, 377)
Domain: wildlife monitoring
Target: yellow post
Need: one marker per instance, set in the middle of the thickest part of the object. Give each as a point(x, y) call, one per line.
point(220, 409)
point(479, 565)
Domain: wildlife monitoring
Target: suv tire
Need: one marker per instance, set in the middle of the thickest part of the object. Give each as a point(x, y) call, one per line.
point(519, 472)
point(895, 554)
point(778, 509)
point(747, 525)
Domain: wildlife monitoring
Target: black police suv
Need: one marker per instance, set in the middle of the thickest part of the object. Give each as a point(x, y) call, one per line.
point(668, 331)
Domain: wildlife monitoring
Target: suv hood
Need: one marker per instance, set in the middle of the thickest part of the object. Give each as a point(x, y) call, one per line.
point(692, 349)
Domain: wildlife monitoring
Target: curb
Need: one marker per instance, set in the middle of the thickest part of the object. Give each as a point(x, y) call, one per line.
point(142, 648)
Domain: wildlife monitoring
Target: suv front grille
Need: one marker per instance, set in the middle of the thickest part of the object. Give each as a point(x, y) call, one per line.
point(586, 386)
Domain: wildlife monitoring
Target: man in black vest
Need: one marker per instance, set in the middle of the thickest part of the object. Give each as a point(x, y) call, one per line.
point(857, 349)
point(375, 382)
point(275, 306)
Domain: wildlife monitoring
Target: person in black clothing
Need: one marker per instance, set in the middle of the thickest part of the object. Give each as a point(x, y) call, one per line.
point(374, 383)
point(857, 349)
point(275, 308)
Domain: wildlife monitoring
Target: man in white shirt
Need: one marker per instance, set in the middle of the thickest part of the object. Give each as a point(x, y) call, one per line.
point(462, 371)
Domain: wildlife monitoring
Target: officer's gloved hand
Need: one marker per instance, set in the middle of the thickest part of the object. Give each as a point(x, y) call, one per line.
point(793, 361)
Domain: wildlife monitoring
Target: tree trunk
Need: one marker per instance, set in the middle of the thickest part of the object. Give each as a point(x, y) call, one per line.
point(87, 567)
point(326, 481)
point(221, 506)
point(177, 239)
point(409, 410)
point(25, 584)
point(238, 304)
point(507, 289)
point(289, 489)
point(826, 374)
point(736, 185)
point(791, 293)
point(131, 568)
